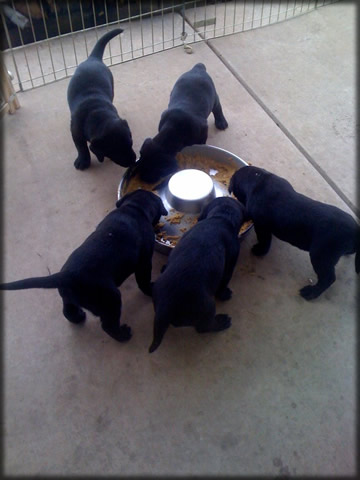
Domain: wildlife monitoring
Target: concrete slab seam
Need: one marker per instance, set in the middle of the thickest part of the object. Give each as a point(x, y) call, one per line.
point(273, 117)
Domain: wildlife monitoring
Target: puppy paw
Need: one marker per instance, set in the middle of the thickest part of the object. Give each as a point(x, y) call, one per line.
point(81, 163)
point(121, 334)
point(259, 250)
point(223, 321)
point(221, 124)
point(309, 292)
point(124, 333)
point(80, 317)
point(224, 294)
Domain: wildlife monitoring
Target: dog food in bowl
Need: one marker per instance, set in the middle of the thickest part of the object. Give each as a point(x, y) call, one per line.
point(214, 168)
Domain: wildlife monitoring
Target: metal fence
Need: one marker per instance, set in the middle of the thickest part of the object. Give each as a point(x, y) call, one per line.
point(44, 40)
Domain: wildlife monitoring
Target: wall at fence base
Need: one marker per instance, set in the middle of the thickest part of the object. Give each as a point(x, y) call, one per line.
point(9, 100)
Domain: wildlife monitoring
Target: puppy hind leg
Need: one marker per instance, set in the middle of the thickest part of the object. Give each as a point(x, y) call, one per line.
point(264, 241)
point(224, 292)
point(209, 322)
point(143, 276)
point(220, 120)
point(324, 266)
point(73, 313)
point(110, 316)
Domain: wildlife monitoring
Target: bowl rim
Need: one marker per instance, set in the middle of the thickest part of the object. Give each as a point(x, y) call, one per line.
point(160, 246)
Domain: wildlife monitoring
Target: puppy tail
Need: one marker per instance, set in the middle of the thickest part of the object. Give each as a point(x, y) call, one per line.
point(160, 327)
point(98, 50)
point(52, 281)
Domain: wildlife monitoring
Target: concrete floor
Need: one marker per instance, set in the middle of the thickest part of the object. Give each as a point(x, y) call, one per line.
point(273, 395)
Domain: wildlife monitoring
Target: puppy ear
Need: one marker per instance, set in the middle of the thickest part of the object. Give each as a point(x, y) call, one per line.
point(204, 212)
point(160, 328)
point(96, 146)
point(231, 184)
point(145, 145)
point(125, 125)
point(122, 200)
point(96, 143)
point(163, 210)
point(247, 215)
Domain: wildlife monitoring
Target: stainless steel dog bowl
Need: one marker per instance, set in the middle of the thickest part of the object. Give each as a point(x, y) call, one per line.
point(190, 190)
point(186, 192)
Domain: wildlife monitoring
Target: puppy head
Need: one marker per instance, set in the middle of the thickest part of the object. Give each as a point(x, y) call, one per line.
point(115, 143)
point(154, 163)
point(227, 208)
point(147, 202)
point(244, 181)
point(160, 327)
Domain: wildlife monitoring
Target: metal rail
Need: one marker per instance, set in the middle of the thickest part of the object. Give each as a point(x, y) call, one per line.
point(60, 35)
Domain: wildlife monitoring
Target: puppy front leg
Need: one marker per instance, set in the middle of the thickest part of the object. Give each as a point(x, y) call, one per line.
point(99, 155)
point(110, 316)
point(264, 241)
point(203, 135)
point(82, 161)
point(220, 120)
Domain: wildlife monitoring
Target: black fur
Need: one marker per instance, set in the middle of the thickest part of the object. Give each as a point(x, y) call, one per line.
point(94, 118)
point(122, 244)
point(199, 268)
point(184, 123)
point(323, 230)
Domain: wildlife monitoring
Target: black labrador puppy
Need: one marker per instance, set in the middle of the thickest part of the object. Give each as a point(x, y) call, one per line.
point(199, 268)
point(94, 118)
point(184, 123)
point(323, 230)
point(122, 244)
